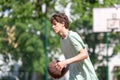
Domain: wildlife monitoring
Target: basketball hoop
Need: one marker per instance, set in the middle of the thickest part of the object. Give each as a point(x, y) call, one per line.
point(113, 23)
point(106, 19)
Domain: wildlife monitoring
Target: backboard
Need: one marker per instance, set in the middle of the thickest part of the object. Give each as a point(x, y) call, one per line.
point(106, 19)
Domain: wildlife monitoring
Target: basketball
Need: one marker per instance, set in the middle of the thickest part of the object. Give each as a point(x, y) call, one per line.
point(54, 73)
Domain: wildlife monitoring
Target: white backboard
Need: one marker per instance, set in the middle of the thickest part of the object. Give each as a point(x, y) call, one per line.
point(106, 19)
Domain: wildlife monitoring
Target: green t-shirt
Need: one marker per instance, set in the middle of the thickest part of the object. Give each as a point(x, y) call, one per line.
point(71, 46)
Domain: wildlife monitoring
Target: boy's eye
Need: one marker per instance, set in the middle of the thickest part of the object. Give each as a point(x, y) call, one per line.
point(54, 23)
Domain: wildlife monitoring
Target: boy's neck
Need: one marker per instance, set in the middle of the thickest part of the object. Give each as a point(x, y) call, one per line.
point(64, 33)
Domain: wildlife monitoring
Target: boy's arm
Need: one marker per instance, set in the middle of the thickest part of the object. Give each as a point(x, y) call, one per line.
point(81, 56)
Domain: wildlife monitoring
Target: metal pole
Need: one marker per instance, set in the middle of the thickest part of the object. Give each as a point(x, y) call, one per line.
point(107, 56)
point(46, 50)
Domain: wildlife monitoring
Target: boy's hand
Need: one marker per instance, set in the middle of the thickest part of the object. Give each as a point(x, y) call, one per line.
point(60, 65)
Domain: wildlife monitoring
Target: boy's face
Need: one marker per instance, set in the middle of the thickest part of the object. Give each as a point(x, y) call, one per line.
point(57, 27)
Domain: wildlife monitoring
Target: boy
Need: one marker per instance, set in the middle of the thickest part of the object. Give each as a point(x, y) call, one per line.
point(74, 49)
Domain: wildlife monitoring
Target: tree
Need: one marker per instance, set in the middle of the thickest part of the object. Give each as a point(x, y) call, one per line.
point(22, 31)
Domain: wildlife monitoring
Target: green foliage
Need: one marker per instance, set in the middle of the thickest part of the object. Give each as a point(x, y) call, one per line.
point(117, 49)
point(101, 72)
point(115, 36)
point(29, 29)
point(117, 72)
point(22, 10)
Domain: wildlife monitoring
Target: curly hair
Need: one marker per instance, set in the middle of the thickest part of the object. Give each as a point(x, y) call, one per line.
point(61, 18)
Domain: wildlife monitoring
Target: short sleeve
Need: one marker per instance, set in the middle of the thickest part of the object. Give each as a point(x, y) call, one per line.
point(76, 42)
